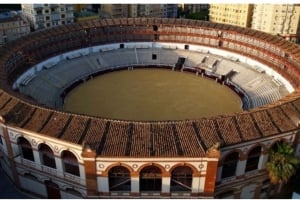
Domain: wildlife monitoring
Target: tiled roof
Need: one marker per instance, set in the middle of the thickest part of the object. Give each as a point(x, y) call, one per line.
point(114, 138)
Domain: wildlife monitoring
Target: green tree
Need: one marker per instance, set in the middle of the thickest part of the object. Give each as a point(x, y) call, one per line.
point(282, 163)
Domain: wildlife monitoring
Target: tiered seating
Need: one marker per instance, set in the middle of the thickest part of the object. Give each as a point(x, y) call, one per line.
point(27, 79)
point(193, 58)
point(121, 57)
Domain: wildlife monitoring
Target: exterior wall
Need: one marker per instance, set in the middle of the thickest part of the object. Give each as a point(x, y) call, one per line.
point(234, 14)
point(33, 174)
point(250, 184)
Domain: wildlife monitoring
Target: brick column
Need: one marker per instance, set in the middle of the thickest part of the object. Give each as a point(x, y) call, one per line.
point(210, 179)
point(213, 155)
point(89, 163)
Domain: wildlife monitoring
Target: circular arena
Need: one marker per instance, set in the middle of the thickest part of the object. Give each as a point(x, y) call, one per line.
point(68, 155)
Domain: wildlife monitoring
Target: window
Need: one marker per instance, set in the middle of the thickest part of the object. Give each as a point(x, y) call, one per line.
point(70, 163)
point(229, 165)
point(26, 149)
point(181, 179)
point(1, 142)
point(47, 156)
point(154, 56)
point(150, 179)
point(63, 16)
point(253, 159)
point(119, 179)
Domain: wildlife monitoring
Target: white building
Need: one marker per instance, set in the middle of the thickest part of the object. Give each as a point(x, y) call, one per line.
point(12, 26)
point(48, 15)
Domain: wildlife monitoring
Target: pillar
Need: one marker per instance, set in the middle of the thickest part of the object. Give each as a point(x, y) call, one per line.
point(263, 160)
point(37, 158)
point(59, 166)
point(210, 178)
point(89, 163)
point(103, 186)
point(240, 169)
point(166, 184)
point(135, 185)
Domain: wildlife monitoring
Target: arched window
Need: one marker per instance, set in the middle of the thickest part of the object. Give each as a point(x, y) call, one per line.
point(70, 163)
point(150, 179)
point(230, 164)
point(119, 179)
point(253, 159)
point(25, 148)
point(181, 179)
point(47, 156)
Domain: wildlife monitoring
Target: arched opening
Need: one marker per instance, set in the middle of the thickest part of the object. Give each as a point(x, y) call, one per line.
point(150, 179)
point(181, 179)
point(70, 163)
point(253, 159)
point(230, 165)
point(119, 179)
point(53, 191)
point(47, 156)
point(25, 148)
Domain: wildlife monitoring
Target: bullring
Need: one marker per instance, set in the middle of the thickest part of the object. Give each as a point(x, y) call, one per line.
point(82, 156)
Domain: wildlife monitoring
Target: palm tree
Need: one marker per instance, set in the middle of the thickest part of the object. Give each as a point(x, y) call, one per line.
point(282, 163)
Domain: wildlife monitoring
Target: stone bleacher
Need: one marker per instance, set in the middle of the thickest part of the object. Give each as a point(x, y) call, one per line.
point(46, 86)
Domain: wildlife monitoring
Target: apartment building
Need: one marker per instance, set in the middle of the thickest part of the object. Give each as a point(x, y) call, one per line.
point(195, 8)
point(278, 19)
point(115, 10)
point(140, 10)
point(234, 14)
point(48, 15)
point(12, 26)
